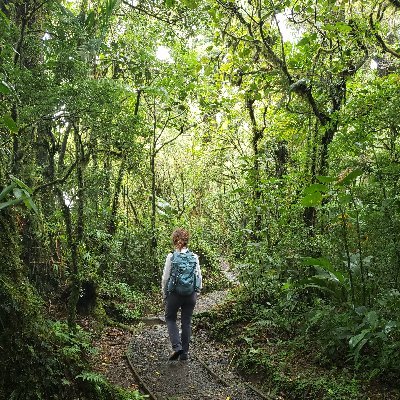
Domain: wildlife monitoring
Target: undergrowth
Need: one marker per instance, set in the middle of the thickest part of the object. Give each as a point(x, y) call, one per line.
point(308, 350)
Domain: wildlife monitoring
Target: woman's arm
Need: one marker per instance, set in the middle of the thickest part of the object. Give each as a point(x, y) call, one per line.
point(165, 275)
point(199, 279)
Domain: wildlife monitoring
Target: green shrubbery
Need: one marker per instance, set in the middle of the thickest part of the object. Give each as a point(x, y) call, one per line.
point(309, 348)
point(121, 302)
point(44, 359)
point(210, 262)
point(40, 359)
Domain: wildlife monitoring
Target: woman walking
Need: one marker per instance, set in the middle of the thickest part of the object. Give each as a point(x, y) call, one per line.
point(181, 283)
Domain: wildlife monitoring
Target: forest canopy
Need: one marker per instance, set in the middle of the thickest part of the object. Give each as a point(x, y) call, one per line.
point(270, 130)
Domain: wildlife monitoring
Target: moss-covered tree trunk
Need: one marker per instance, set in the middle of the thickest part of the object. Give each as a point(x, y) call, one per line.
point(19, 309)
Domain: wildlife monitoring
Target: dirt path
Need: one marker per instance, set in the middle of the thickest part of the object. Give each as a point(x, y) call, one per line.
point(110, 358)
point(207, 374)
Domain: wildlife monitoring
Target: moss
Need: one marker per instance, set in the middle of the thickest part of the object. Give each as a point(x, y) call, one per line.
point(39, 358)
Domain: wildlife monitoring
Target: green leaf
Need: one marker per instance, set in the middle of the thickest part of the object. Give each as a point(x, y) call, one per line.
point(344, 198)
point(319, 283)
point(338, 27)
point(21, 184)
point(322, 261)
point(372, 318)
point(357, 339)
point(287, 285)
point(6, 190)
point(326, 266)
point(307, 39)
point(350, 177)
point(360, 310)
point(190, 3)
point(389, 326)
point(21, 193)
point(329, 27)
point(303, 41)
point(4, 88)
point(342, 27)
point(10, 123)
point(330, 274)
point(18, 193)
point(312, 199)
point(4, 17)
point(30, 204)
point(9, 203)
point(316, 187)
point(91, 377)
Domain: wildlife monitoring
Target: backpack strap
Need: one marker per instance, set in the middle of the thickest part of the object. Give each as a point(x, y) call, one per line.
point(172, 274)
point(174, 254)
point(190, 253)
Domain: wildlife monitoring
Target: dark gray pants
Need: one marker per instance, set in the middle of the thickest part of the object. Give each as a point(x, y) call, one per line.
point(174, 302)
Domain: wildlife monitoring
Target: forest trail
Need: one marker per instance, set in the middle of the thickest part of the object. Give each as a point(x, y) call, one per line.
point(207, 374)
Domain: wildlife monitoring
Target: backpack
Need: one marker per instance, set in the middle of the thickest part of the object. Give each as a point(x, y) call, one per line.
point(183, 273)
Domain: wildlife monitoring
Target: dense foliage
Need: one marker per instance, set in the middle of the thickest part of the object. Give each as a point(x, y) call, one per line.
point(269, 130)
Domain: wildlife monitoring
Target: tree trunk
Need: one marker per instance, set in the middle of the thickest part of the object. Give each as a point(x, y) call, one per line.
point(114, 208)
point(153, 240)
point(257, 135)
point(74, 237)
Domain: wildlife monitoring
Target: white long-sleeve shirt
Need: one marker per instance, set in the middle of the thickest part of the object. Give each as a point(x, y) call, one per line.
point(167, 272)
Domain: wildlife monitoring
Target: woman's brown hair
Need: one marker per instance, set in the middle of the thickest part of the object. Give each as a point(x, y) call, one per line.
point(180, 237)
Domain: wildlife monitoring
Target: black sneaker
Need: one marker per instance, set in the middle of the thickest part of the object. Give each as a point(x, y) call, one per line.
point(175, 355)
point(183, 357)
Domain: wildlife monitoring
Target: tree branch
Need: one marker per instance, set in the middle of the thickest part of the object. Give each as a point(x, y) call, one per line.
point(181, 131)
point(149, 13)
point(139, 92)
point(380, 40)
point(56, 181)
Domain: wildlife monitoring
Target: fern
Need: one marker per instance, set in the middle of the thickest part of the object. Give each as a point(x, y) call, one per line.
point(92, 377)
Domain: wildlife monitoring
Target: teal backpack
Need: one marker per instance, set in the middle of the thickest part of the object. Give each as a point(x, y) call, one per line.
point(183, 274)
